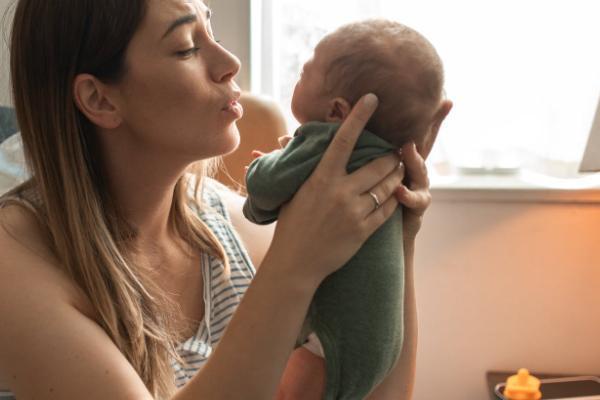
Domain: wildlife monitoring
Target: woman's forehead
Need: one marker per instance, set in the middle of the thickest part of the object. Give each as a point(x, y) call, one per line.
point(162, 13)
point(176, 7)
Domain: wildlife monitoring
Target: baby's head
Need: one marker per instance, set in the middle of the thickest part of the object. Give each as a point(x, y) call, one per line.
point(383, 57)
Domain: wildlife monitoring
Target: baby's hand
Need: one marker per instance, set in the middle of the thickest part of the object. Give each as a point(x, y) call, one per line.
point(304, 377)
point(255, 154)
point(283, 141)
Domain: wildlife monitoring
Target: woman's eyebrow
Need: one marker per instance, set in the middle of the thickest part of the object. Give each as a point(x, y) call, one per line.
point(186, 19)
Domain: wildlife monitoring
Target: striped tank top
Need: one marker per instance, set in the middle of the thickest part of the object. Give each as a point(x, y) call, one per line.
point(222, 292)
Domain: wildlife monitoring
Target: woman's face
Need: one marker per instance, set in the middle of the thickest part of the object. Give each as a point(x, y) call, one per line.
point(178, 95)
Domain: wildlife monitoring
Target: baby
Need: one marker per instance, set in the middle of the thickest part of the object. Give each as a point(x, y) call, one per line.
point(356, 316)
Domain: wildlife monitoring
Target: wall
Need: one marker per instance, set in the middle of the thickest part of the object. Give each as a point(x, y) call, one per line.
point(502, 286)
point(231, 25)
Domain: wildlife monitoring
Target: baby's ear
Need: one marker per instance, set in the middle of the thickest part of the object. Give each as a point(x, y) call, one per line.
point(337, 110)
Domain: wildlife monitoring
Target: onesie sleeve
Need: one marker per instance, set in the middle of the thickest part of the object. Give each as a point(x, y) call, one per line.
point(274, 178)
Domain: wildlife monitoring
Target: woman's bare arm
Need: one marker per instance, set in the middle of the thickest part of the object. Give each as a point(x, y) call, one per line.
point(49, 349)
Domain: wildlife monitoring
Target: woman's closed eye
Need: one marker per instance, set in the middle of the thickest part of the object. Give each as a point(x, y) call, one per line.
point(191, 51)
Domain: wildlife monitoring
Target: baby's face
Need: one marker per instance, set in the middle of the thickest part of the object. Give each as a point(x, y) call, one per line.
point(309, 102)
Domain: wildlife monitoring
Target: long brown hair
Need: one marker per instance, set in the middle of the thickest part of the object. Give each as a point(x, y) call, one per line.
point(52, 42)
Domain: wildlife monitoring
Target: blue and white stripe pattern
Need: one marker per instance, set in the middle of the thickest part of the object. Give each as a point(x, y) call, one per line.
point(222, 293)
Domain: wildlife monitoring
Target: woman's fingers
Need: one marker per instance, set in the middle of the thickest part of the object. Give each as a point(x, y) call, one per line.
point(415, 193)
point(380, 202)
point(381, 192)
point(418, 201)
point(375, 171)
point(378, 216)
point(416, 169)
point(257, 154)
point(338, 153)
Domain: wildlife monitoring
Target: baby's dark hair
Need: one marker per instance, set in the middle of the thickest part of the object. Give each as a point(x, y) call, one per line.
point(396, 63)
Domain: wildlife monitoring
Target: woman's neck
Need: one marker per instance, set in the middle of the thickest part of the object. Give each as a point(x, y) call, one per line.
point(142, 184)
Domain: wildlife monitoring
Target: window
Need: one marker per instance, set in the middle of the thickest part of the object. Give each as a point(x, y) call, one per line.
point(524, 75)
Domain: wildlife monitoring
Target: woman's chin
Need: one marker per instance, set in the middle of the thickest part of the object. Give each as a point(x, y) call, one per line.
point(231, 140)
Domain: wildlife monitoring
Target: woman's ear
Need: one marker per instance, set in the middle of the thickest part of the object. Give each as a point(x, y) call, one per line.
point(94, 101)
point(424, 148)
point(337, 110)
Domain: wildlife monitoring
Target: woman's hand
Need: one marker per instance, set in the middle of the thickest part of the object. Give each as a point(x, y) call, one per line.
point(414, 193)
point(332, 214)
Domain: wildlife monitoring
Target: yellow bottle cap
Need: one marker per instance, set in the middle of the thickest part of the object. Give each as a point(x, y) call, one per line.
point(522, 387)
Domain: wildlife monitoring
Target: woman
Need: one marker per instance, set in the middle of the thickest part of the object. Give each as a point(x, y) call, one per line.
point(109, 262)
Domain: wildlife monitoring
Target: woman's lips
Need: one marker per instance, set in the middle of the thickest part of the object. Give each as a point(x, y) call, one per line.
point(235, 109)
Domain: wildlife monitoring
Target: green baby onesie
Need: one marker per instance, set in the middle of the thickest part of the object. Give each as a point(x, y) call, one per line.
point(357, 312)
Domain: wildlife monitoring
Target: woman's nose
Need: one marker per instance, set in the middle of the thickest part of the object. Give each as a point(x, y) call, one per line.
point(227, 67)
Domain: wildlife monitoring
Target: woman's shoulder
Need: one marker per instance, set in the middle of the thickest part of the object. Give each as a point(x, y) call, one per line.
point(48, 334)
point(20, 231)
point(27, 257)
